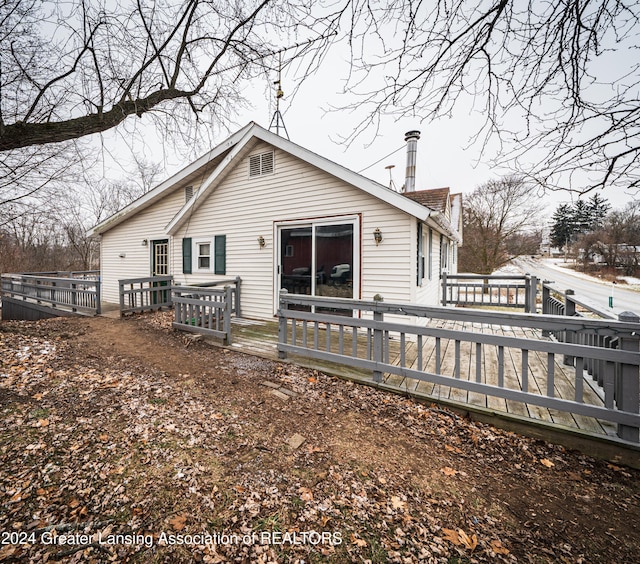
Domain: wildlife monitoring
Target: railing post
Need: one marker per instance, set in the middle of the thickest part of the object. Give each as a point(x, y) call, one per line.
point(98, 296)
point(177, 308)
point(569, 311)
point(628, 384)
point(444, 288)
point(533, 293)
point(378, 344)
point(282, 323)
point(238, 308)
point(121, 291)
point(228, 296)
point(530, 292)
point(53, 294)
point(546, 297)
point(546, 302)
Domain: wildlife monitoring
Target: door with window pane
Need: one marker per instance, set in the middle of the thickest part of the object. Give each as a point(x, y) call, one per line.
point(160, 267)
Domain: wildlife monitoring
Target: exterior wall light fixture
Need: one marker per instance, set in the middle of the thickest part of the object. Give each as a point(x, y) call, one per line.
point(261, 242)
point(377, 235)
point(145, 242)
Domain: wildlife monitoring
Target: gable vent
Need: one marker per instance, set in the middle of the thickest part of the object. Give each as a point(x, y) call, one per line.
point(261, 164)
point(188, 193)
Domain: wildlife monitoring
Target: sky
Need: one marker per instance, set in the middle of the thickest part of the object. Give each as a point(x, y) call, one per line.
point(446, 155)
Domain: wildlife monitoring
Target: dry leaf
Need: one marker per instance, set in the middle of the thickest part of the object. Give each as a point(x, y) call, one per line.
point(358, 541)
point(448, 471)
point(468, 541)
point(178, 522)
point(312, 379)
point(451, 536)
point(305, 494)
point(450, 448)
point(546, 462)
point(497, 547)
point(42, 423)
point(397, 503)
point(104, 438)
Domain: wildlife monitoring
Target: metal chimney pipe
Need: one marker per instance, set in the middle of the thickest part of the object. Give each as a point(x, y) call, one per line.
point(411, 137)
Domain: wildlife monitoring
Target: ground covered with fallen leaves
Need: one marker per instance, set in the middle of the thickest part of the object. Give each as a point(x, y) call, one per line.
point(124, 441)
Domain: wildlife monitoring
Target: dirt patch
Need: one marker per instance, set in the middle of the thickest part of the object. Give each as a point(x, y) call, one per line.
point(126, 431)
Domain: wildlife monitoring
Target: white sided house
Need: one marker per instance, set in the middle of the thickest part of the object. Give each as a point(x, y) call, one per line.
point(279, 216)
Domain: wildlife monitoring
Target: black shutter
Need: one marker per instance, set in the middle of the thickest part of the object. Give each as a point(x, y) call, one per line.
point(186, 255)
point(420, 256)
point(220, 246)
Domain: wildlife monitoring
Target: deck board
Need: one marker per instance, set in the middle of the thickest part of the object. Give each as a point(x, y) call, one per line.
point(261, 339)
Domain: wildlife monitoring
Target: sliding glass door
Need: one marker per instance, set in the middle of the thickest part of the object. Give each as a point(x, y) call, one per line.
point(319, 258)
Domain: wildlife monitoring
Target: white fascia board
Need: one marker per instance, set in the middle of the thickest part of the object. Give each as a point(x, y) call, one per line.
point(162, 189)
point(207, 185)
point(441, 224)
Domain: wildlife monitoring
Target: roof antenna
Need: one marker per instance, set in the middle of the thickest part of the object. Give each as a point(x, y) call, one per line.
point(277, 121)
point(392, 184)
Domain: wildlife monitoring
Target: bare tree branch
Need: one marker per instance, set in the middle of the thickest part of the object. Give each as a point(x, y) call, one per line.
point(104, 64)
point(552, 79)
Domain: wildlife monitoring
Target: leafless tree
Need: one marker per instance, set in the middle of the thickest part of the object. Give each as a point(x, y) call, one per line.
point(495, 215)
point(85, 208)
point(74, 68)
point(556, 80)
point(617, 243)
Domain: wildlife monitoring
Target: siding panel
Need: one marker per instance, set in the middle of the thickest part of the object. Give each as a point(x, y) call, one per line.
point(126, 239)
point(244, 208)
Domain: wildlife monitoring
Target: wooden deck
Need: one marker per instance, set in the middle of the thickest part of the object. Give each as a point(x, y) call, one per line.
point(260, 338)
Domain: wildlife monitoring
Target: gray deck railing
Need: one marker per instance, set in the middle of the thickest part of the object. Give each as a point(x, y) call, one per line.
point(300, 332)
point(558, 302)
point(144, 294)
point(204, 310)
point(154, 292)
point(79, 274)
point(516, 291)
point(80, 294)
point(555, 302)
point(235, 284)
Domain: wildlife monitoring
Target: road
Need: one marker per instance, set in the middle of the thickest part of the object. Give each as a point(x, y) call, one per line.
point(587, 289)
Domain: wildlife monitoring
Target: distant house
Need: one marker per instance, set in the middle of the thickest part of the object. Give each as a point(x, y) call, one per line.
point(263, 208)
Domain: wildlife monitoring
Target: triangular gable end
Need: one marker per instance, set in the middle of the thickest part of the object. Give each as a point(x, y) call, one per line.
point(256, 132)
point(172, 183)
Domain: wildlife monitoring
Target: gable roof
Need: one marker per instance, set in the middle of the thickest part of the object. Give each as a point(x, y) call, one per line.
point(216, 163)
point(436, 199)
point(255, 132)
point(181, 178)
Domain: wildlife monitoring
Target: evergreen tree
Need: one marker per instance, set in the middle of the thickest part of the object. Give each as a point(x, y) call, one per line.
point(598, 210)
point(580, 218)
point(562, 230)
